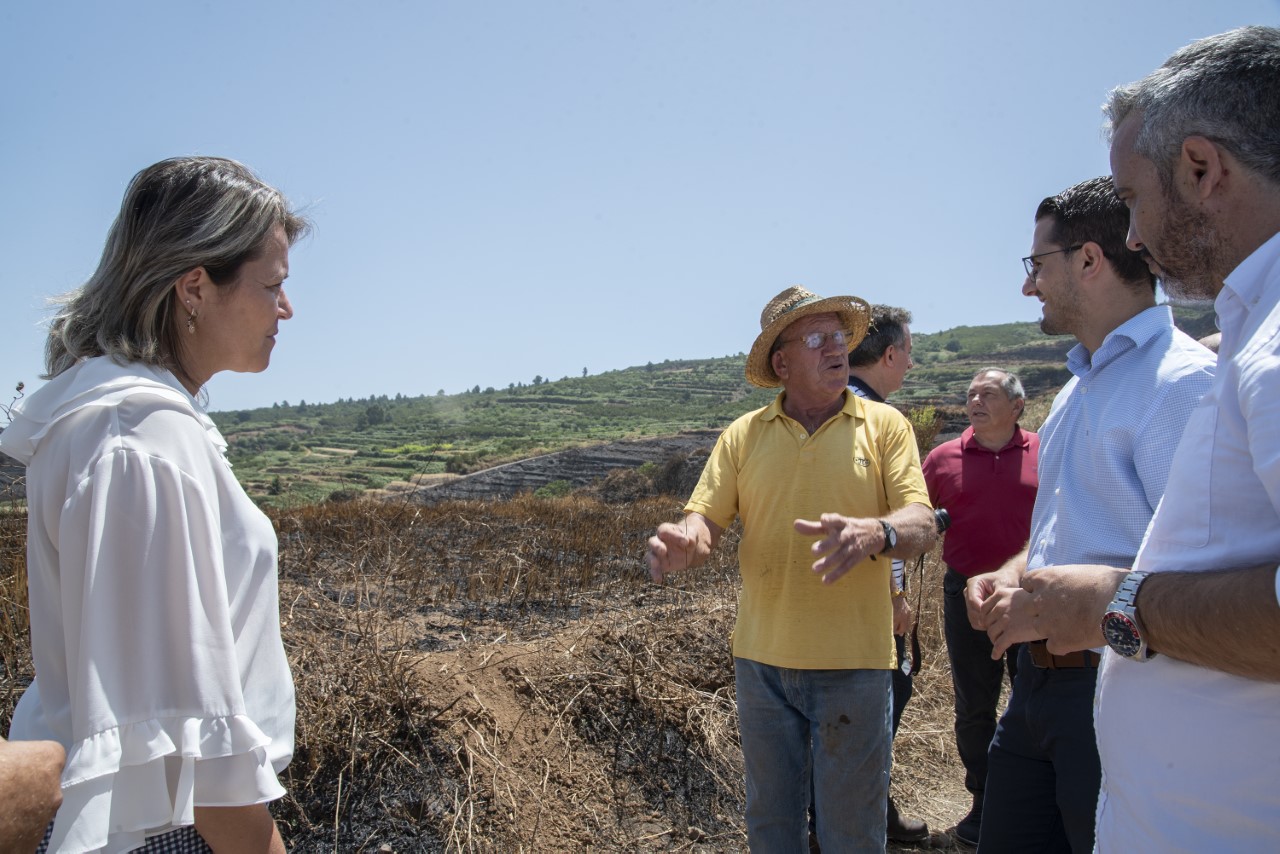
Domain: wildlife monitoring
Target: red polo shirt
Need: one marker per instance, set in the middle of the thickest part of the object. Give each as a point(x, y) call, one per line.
point(989, 495)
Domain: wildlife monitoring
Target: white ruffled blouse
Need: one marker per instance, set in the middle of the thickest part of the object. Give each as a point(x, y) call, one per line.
point(155, 621)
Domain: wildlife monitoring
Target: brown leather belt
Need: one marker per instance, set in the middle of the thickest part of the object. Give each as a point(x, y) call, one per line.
point(1042, 658)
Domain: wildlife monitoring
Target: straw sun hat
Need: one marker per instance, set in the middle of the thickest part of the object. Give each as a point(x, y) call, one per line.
point(788, 307)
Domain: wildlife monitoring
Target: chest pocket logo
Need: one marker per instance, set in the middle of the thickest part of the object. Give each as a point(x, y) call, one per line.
point(862, 461)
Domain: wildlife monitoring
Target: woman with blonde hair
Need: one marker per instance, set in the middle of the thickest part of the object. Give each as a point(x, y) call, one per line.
point(152, 576)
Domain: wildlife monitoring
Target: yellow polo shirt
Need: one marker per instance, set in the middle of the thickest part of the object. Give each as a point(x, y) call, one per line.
point(767, 469)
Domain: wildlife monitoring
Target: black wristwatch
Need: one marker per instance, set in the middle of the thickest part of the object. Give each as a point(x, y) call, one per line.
point(1120, 622)
point(890, 537)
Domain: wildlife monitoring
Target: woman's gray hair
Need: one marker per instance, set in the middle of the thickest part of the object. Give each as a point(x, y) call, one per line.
point(180, 214)
point(1223, 88)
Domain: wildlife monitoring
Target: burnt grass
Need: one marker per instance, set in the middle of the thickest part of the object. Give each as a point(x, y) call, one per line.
point(502, 676)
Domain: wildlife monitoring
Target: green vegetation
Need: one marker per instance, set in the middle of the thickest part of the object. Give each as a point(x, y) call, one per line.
point(289, 455)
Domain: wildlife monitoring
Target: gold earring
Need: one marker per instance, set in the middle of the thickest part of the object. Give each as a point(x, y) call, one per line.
point(191, 322)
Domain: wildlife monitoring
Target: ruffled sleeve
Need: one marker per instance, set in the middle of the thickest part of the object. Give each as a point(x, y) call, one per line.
point(158, 635)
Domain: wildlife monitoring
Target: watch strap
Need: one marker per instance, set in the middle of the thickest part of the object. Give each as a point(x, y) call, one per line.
point(890, 537)
point(1125, 604)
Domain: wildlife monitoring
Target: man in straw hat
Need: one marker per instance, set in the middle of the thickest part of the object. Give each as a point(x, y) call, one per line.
point(813, 646)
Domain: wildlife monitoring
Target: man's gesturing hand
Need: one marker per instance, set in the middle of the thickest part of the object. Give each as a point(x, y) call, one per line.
point(845, 542)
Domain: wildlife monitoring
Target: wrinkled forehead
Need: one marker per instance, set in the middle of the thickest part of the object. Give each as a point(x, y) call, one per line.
point(987, 380)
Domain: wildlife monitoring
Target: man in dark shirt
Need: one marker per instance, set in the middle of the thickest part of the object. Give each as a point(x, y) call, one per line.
point(877, 367)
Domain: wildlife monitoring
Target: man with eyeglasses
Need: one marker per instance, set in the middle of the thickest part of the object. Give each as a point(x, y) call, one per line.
point(1104, 459)
point(877, 368)
point(829, 490)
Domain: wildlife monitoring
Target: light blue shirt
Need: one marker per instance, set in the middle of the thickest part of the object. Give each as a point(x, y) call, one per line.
point(1106, 447)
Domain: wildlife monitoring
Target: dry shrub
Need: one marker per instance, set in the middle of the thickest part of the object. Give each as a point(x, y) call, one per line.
point(386, 754)
point(501, 676)
point(624, 485)
point(16, 671)
point(675, 476)
point(927, 424)
point(679, 473)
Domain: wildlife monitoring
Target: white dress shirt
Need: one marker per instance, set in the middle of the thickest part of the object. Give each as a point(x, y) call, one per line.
point(1191, 755)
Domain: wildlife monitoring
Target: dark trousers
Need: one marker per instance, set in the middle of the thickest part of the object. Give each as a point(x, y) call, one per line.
point(1043, 768)
point(902, 683)
point(977, 681)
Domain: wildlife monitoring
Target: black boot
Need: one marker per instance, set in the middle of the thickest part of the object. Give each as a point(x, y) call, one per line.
point(904, 829)
point(969, 828)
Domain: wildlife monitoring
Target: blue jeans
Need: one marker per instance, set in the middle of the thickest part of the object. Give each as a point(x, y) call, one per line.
point(825, 731)
point(1043, 772)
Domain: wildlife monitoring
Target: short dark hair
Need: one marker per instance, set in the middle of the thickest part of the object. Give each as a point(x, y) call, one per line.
point(887, 329)
point(1090, 212)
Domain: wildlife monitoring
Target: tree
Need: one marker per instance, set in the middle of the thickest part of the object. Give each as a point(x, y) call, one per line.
point(584, 372)
point(375, 414)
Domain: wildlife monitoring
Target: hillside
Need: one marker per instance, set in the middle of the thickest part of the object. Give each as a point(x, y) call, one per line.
point(291, 454)
point(500, 675)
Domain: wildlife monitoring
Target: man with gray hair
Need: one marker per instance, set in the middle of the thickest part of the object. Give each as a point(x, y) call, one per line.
point(986, 480)
point(1190, 737)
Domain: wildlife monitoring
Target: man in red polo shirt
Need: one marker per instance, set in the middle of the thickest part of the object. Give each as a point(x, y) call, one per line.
point(986, 480)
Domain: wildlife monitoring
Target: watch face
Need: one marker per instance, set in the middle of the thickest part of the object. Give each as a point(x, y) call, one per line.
point(1121, 634)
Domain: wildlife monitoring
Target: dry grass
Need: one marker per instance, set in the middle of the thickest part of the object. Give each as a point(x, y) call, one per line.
point(501, 676)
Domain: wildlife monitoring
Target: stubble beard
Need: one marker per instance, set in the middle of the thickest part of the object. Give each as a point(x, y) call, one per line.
point(1065, 310)
point(1192, 262)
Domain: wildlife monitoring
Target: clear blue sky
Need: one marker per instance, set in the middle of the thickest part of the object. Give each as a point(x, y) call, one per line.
point(509, 189)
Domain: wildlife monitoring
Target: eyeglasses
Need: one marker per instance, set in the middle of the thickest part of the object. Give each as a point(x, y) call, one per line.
point(817, 340)
point(1032, 268)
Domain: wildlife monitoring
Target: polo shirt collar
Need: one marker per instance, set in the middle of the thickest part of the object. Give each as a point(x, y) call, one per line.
point(850, 407)
point(968, 442)
point(863, 390)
